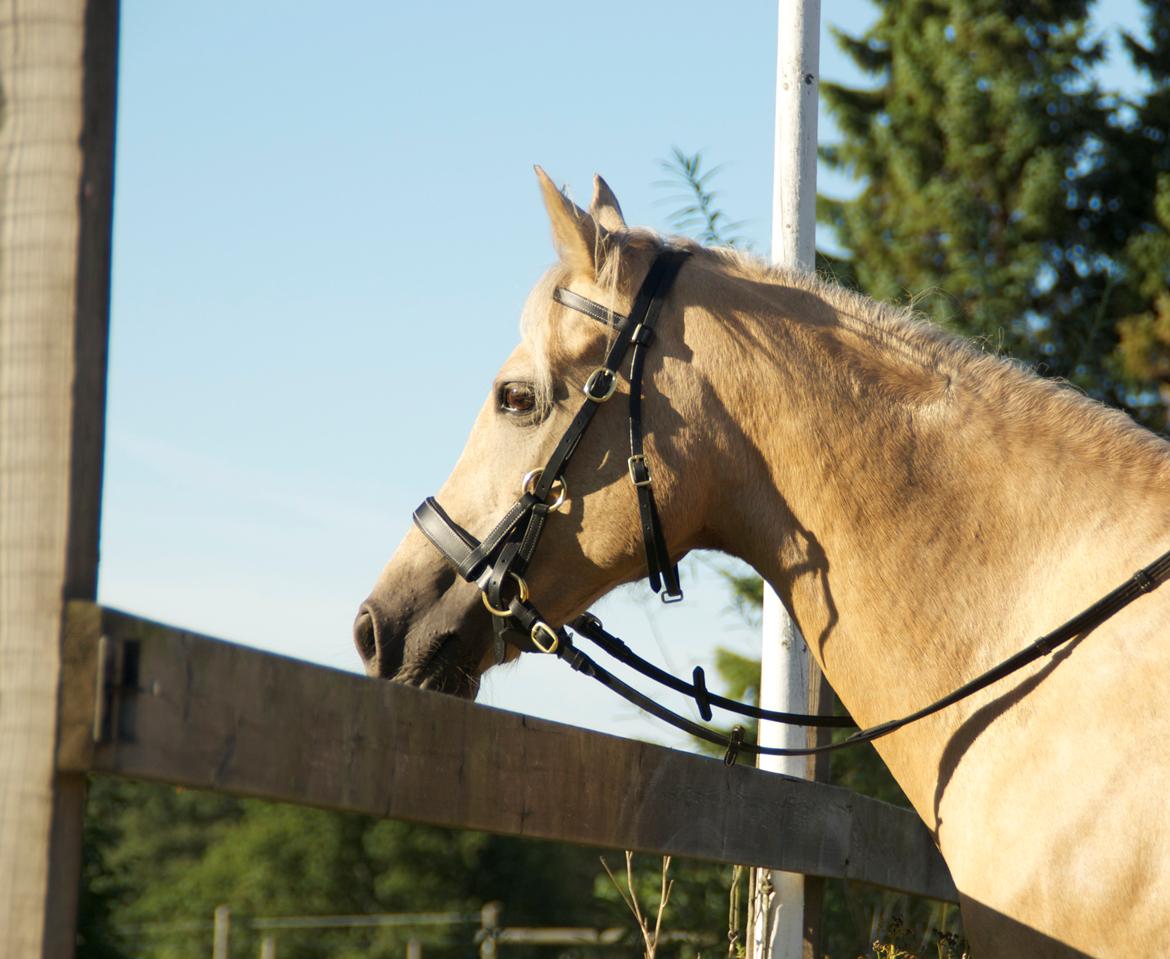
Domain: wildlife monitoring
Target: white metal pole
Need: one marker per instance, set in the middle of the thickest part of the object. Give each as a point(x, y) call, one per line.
point(778, 928)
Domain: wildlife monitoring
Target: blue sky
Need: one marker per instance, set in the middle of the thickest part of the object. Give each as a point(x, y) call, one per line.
point(326, 222)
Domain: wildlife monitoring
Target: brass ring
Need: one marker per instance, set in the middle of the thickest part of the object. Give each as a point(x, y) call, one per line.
point(521, 586)
point(593, 378)
point(540, 626)
point(528, 485)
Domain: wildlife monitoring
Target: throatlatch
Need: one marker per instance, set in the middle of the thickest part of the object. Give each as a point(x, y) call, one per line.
point(497, 564)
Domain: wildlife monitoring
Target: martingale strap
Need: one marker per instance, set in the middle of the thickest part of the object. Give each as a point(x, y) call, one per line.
point(1145, 580)
point(591, 628)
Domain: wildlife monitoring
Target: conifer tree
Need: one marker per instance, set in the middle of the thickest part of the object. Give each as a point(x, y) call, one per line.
point(977, 148)
point(1140, 164)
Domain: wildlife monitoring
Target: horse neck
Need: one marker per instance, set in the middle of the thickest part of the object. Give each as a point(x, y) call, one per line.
point(923, 510)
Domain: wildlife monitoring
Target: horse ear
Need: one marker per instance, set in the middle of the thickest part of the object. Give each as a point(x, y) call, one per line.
point(578, 237)
point(605, 208)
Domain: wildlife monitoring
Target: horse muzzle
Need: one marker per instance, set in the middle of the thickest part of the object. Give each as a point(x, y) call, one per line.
point(432, 635)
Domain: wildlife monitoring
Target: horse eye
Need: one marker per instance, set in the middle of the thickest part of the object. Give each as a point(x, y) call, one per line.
point(517, 398)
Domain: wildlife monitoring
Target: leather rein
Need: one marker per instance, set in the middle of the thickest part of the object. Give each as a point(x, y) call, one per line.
point(497, 563)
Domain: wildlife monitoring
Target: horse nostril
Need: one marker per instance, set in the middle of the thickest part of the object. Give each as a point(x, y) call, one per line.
point(364, 635)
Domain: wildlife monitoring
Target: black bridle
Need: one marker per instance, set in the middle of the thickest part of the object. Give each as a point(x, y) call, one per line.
point(498, 563)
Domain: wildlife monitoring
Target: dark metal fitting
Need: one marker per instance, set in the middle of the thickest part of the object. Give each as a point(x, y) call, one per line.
point(637, 464)
point(702, 696)
point(734, 741)
point(607, 389)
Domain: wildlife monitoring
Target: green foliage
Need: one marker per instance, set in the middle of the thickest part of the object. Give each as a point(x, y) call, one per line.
point(695, 212)
point(747, 592)
point(903, 941)
point(159, 857)
point(159, 860)
point(1006, 192)
point(698, 901)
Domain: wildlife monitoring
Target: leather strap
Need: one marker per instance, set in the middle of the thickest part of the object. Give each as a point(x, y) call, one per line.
point(660, 570)
point(1144, 581)
point(638, 330)
point(592, 629)
point(574, 301)
point(468, 555)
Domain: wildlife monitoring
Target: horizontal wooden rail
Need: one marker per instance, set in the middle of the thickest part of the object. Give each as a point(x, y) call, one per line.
point(153, 702)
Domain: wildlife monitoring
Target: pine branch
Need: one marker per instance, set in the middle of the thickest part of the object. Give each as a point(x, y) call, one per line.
point(698, 215)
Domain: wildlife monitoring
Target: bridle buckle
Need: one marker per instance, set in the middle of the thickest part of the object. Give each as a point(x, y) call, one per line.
point(639, 459)
point(594, 378)
point(540, 626)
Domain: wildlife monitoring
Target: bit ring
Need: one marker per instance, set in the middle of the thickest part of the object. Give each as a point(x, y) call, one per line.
point(532, 477)
point(522, 592)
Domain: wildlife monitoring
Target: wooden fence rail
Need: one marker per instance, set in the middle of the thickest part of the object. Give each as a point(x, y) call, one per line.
point(153, 702)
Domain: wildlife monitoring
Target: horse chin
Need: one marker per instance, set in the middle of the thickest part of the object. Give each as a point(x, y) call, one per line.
point(443, 669)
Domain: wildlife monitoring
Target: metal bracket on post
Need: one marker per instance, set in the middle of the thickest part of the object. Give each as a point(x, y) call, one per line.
point(115, 705)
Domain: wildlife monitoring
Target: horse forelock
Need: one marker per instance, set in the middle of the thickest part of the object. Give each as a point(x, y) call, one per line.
point(540, 336)
point(540, 331)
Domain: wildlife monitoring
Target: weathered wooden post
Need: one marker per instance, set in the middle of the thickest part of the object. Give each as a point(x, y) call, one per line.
point(489, 922)
point(58, 61)
point(268, 947)
point(782, 927)
point(221, 936)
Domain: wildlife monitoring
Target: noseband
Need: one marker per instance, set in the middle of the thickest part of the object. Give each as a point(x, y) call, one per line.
point(498, 563)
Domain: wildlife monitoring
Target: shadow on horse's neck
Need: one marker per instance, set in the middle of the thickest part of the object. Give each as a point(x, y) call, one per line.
point(903, 493)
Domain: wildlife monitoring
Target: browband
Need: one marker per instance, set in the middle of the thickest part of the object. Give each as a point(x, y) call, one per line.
point(598, 312)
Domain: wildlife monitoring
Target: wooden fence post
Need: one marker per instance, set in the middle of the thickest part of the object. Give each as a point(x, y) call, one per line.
point(58, 63)
point(268, 947)
point(489, 928)
point(221, 936)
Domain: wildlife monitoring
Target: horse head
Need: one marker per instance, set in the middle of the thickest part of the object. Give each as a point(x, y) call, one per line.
point(423, 624)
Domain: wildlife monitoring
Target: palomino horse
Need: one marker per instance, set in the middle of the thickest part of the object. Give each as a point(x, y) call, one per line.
point(923, 509)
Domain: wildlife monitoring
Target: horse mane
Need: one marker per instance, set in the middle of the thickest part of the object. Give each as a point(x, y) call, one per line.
point(1013, 385)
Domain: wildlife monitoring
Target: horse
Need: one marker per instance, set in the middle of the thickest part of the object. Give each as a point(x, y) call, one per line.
point(922, 507)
